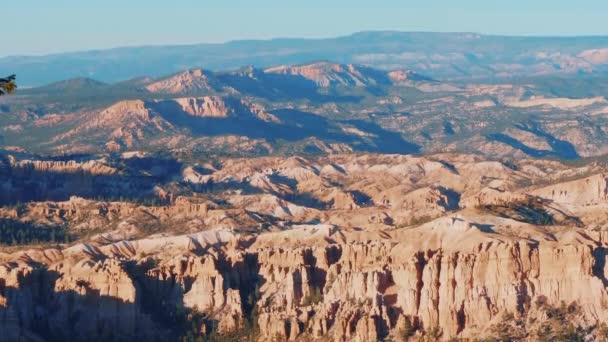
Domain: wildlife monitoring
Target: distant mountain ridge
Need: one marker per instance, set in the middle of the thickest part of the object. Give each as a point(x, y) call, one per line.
point(286, 81)
point(446, 56)
point(245, 110)
point(318, 107)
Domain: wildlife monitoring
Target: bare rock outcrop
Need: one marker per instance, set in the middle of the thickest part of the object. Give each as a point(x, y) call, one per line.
point(327, 248)
point(184, 82)
point(326, 74)
point(591, 190)
point(208, 106)
point(74, 301)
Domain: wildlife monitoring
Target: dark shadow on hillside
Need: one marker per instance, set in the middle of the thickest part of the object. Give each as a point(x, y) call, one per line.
point(451, 201)
point(159, 168)
point(275, 86)
point(135, 181)
point(161, 296)
point(599, 266)
point(294, 126)
point(14, 232)
point(559, 148)
point(376, 91)
point(516, 144)
point(448, 129)
point(486, 228)
point(37, 310)
point(531, 211)
point(384, 141)
point(566, 151)
point(79, 157)
point(361, 198)
point(36, 186)
point(449, 166)
point(306, 199)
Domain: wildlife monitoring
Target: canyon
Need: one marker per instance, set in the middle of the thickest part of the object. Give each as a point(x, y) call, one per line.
point(383, 186)
point(345, 247)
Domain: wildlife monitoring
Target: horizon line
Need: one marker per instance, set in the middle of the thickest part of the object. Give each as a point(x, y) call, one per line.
point(278, 38)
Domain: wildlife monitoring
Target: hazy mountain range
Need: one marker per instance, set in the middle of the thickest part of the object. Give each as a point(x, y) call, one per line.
point(446, 56)
point(320, 107)
point(383, 186)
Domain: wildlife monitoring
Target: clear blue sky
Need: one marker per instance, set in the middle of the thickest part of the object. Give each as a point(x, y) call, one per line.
point(48, 26)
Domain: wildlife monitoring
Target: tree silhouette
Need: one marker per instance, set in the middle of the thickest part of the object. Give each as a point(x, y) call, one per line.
point(7, 85)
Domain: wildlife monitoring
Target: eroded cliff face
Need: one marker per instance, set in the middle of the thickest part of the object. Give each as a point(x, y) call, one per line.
point(187, 81)
point(71, 300)
point(344, 248)
point(321, 282)
point(326, 74)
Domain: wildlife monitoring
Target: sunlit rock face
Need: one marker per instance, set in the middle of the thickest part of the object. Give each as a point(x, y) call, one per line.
point(342, 247)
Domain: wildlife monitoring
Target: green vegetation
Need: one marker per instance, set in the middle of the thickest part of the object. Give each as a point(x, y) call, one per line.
point(22, 233)
point(194, 326)
point(548, 323)
point(8, 85)
point(192, 321)
point(315, 297)
point(559, 325)
point(531, 210)
point(583, 86)
point(508, 329)
point(407, 331)
point(417, 220)
point(602, 332)
point(432, 335)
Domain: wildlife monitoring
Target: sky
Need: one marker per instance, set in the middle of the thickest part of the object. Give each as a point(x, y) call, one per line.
point(37, 27)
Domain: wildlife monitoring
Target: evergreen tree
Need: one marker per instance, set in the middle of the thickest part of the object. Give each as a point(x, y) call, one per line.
point(7, 85)
point(19, 233)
